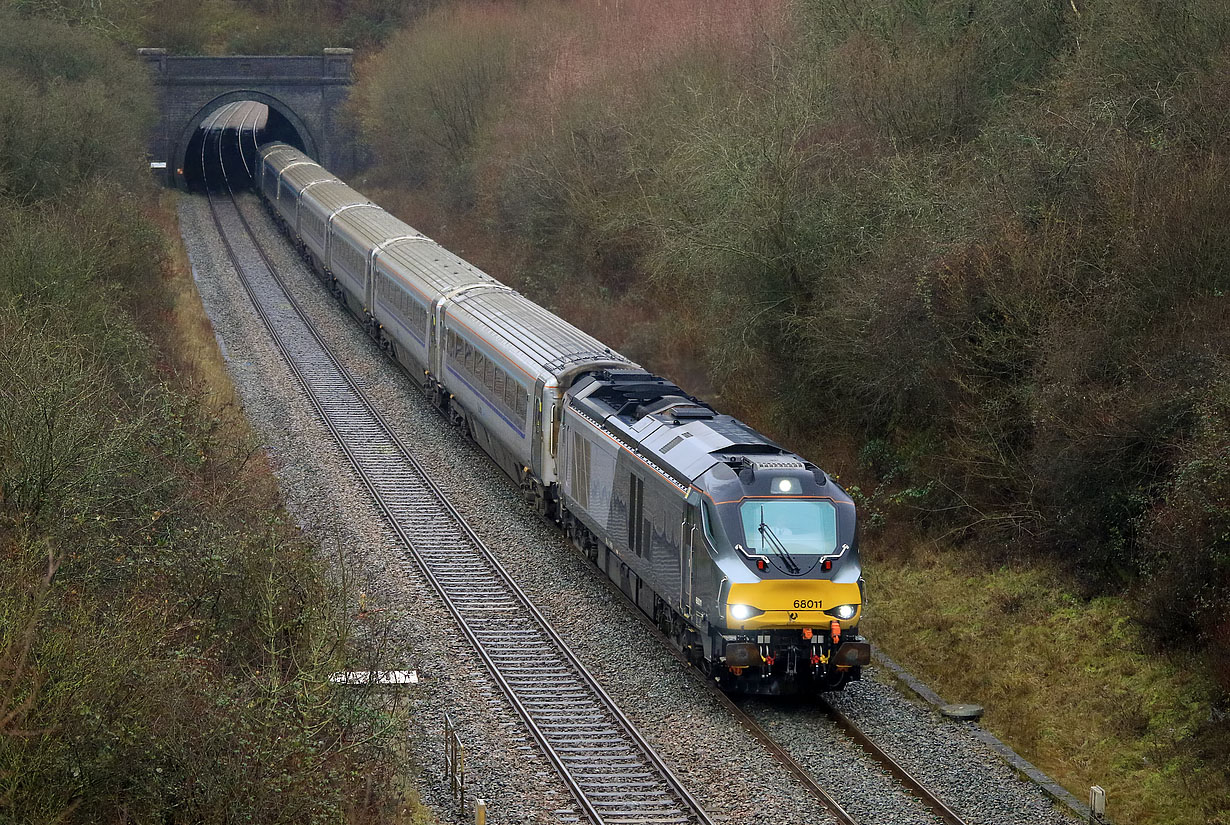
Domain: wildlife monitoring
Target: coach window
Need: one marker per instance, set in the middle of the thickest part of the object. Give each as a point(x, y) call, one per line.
point(499, 384)
point(469, 357)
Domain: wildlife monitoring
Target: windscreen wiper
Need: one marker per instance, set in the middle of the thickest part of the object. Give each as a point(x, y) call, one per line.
point(770, 538)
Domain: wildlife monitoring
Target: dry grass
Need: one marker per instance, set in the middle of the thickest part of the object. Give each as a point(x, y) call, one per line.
point(1071, 684)
point(195, 348)
point(191, 351)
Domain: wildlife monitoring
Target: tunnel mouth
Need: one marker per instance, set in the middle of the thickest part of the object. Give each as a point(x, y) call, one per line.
point(223, 147)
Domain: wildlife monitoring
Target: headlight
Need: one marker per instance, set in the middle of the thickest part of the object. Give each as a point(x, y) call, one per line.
point(786, 486)
point(743, 612)
point(843, 611)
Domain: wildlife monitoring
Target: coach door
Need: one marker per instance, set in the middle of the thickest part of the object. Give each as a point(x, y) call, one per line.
point(536, 454)
point(434, 364)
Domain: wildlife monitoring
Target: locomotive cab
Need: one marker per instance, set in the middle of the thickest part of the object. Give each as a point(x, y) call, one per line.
point(789, 592)
point(743, 553)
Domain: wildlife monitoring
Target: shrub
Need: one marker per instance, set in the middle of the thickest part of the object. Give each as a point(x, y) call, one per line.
point(424, 100)
point(165, 638)
point(76, 108)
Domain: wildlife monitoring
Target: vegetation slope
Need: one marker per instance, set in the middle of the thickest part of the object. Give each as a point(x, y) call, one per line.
point(166, 638)
point(972, 255)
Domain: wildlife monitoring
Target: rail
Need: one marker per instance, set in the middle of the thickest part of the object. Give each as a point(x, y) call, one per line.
point(613, 772)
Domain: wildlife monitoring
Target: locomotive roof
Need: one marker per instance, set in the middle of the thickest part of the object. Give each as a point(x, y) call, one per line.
point(677, 432)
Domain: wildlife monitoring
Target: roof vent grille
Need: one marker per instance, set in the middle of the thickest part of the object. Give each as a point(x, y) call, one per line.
point(691, 412)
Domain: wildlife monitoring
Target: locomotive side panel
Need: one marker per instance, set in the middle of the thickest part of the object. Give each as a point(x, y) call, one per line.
point(657, 559)
point(587, 470)
point(629, 507)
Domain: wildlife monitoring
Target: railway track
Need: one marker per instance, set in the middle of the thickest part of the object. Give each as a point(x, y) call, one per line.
point(894, 768)
point(910, 784)
point(612, 771)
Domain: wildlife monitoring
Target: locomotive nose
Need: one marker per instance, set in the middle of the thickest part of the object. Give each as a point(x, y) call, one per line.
point(794, 604)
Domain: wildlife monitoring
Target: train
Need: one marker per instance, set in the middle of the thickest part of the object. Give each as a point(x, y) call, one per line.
point(743, 553)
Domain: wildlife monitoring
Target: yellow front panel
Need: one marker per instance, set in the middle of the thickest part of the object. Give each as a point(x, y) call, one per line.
point(792, 603)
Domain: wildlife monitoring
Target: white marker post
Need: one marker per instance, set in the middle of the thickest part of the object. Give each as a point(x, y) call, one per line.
point(1097, 805)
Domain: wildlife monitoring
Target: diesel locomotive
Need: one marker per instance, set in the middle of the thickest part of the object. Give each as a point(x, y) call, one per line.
point(743, 553)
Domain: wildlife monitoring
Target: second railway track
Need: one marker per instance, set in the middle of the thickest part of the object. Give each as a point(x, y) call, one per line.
point(612, 771)
point(907, 781)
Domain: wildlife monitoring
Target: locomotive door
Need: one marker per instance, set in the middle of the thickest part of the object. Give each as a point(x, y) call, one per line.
point(685, 560)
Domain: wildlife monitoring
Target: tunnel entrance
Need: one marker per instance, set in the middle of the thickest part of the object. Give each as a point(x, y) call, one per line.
point(222, 141)
point(308, 91)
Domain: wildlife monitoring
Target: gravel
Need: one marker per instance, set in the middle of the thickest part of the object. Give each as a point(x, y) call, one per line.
point(729, 772)
point(947, 758)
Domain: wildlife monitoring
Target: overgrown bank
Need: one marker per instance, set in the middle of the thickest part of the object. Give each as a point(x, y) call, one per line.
point(166, 637)
point(973, 256)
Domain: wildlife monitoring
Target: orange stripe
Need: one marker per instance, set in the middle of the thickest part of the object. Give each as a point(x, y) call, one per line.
point(772, 498)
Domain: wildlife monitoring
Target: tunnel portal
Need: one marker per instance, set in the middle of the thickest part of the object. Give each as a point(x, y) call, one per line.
point(302, 96)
